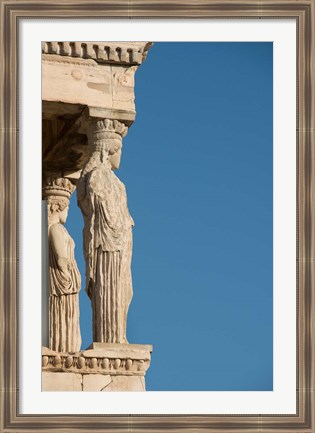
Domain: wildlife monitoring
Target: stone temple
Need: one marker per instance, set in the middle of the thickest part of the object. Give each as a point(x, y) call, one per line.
point(88, 105)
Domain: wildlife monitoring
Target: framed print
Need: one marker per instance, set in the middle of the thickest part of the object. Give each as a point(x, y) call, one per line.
point(277, 105)
point(242, 101)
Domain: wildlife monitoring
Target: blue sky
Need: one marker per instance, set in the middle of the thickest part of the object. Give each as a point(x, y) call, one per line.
point(197, 165)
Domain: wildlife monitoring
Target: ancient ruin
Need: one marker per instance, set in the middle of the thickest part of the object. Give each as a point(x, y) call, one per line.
point(87, 108)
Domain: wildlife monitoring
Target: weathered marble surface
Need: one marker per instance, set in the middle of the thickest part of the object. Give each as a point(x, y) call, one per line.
point(88, 105)
point(83, 81)
point(64, 276)
point(91, 382)
point(107, 233)
point(86, 77)
point(132, 53)
point(104, 367)
point(78, 78)
point(61, 382)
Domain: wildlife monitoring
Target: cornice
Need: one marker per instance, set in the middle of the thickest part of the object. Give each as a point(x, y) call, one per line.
point(125, 53)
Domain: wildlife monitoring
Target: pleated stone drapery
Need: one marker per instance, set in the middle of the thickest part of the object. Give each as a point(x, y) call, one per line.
point(106, 298)
point(64, 327)
point(108, 249)
point(64, 313)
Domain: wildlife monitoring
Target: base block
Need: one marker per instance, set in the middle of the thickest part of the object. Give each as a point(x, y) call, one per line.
point(102, 367)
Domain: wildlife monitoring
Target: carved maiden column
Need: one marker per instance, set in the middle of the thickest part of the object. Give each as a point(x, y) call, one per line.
point(64, 277)
point(107, 251)
point(107, 232)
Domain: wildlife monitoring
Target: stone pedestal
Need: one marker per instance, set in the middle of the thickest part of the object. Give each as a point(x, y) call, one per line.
point(102, 367)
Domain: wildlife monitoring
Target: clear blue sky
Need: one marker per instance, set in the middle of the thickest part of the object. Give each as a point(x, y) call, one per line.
point(197, 165)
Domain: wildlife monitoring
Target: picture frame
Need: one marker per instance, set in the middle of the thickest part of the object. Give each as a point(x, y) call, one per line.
point(10, 418)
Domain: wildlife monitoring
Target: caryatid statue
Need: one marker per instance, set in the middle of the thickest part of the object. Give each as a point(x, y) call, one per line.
point(64, 276)
point(107, 232)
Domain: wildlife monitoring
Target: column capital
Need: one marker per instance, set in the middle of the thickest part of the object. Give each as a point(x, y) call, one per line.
point(57, 187)
point(104, 134)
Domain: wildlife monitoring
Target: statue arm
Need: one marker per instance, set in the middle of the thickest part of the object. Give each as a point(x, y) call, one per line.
point(83, 198)
point(60, 248)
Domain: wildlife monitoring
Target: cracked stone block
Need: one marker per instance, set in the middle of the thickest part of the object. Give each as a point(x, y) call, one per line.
point(61, 381)
point(126, 383)
point(95, 382)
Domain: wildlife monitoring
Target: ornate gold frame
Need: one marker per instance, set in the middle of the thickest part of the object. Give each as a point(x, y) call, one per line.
point(303, 12)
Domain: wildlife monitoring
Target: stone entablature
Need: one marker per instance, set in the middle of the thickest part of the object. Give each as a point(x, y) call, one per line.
point(127, 53)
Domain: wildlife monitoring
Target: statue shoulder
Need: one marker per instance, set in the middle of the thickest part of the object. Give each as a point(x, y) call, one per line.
point(100, 182)
point(57, 232)
point(56, 229)
point(119, 183)
point(59, 239)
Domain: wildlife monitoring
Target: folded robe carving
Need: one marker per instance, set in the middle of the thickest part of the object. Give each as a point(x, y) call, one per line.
point(107, 233)
point(64, 276)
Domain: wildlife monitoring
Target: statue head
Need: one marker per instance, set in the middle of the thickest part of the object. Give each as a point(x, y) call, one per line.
point(105, 138)
point(57, 208)
point(57, 192)
point(114, 159)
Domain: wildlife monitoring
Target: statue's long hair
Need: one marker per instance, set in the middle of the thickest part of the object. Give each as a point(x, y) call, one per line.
point(56, 204)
